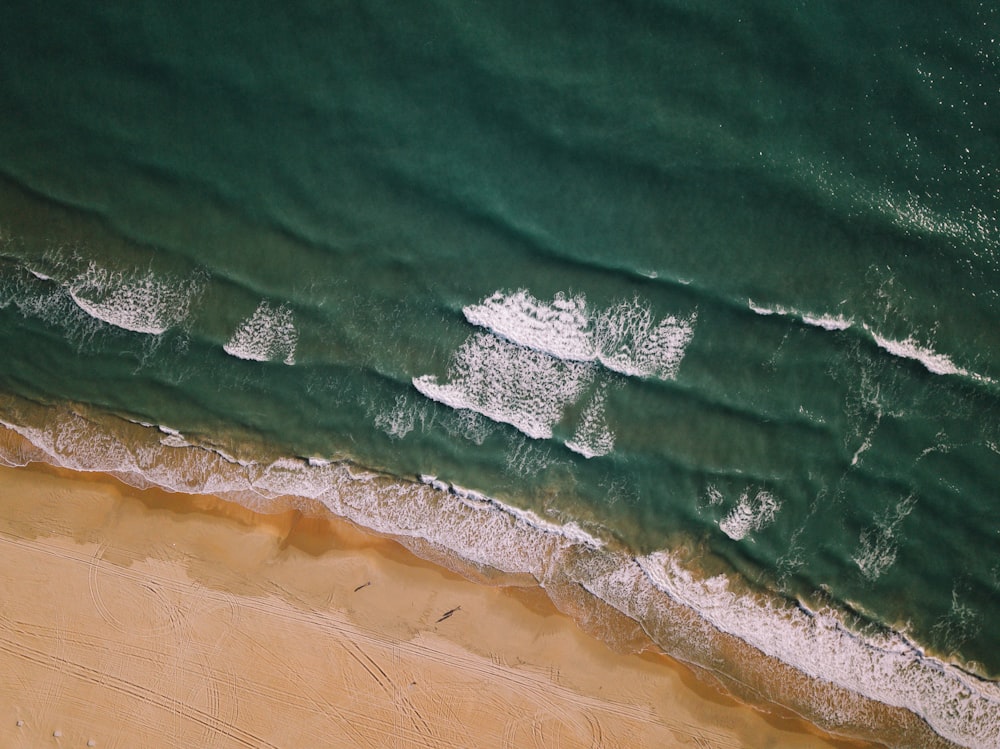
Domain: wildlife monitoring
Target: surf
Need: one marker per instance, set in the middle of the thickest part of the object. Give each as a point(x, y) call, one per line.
point(884, 666)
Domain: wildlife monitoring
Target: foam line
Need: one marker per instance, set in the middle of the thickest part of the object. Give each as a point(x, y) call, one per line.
point(940, 364)
point(886, 668)
point(570, 530)
point(909, 348)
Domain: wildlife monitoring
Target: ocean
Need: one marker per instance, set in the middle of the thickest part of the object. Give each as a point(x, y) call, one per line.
point(692, 309)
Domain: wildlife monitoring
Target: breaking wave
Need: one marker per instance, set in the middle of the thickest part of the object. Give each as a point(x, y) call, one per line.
point(750, 515)
point(561, 328)
point(593, 437)
point(140, 302)
point(624, 338)
point(885, 667)
point(537, 358)
point(506, 382)
point(909, 348)
point(269, 334)
point(933, 361)
point(827, 322)
point(689, 615)
point(629, 340)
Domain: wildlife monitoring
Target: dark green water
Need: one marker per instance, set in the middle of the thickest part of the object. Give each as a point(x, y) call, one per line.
point(348, 230)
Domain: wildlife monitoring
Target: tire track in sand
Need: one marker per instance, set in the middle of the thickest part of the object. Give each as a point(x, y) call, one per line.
point(583, 718)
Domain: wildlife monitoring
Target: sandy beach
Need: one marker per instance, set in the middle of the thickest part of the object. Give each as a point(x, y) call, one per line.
point(141, 618)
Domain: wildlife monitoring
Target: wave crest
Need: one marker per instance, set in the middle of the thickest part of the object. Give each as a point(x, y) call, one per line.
point(537, 358)
point(908, 348)
point(139, 302)
point(505, 382)
point(593, 437)
point(690, 616)
point(750, 515)
point(269, 334)
point(625, 337)
point(561, 328)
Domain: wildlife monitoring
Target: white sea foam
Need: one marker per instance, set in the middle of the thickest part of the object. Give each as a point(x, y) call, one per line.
point(524, 457)
point(509, 383)
point(399, 420)
point(50, 302)
point(593, 437)
point(269, 334)
point(749, 515)
point(537, 359)
point(877, 545)
point(908, 348)
point(571, 530)
point(864, 447)
point(827, 322)
point(171, 438)
point(628, 340)
point(934, 362)
point(959, 624)
point(468, 425)
point(560, 328)
point(140, 302)
point(715, 497)
point(887, 668)
point(910, 212)
point(625, 337)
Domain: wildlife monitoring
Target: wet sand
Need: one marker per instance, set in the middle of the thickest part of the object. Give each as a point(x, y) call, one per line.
point(144, 618)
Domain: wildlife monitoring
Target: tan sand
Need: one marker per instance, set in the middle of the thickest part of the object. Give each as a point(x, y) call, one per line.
point(142, 619)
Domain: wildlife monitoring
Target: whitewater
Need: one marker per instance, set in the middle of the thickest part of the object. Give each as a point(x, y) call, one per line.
point(886, 667)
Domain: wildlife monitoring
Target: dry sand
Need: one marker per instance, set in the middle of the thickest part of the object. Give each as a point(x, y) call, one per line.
point(143, 619)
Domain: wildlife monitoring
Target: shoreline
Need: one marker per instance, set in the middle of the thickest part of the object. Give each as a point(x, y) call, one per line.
point(292, 585)
point(619, 600)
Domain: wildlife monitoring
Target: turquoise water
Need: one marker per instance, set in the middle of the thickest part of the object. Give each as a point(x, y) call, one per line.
point(680, 277)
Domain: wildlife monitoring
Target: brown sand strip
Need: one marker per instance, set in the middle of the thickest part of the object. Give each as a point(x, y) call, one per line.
point(140, 618)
